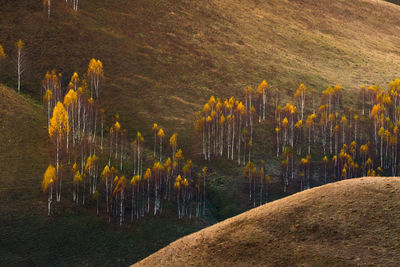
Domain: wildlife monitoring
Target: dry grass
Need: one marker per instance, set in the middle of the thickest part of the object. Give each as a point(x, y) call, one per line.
point(348, 223)
point(155, 50)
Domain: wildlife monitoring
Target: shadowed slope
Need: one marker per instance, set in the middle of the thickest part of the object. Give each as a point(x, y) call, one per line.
point(345, 223)
point(73, 235)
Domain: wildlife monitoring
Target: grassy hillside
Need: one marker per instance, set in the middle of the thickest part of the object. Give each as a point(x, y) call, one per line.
point(162, 57)
point(72, 236)
point(348, 223)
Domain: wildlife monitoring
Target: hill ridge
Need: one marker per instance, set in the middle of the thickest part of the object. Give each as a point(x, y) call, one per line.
point(335, 224)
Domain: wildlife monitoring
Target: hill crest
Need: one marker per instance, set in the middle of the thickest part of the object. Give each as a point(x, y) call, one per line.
point(351, 222)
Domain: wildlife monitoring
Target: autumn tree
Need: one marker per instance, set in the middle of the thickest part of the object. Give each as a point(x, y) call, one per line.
point(134, 186)
point(173, 142)
point(161, 136)
point(117, 130)
point(250, 172)
point(2, 56)
point(300, 97)
point(70, 104)
point(147, 176)
point(325, 163)
point(59, 129)
point(262, 92)
point(154, 129)
point(48, 99)
point(20, 62)
point(363, 93)
point(47, 185)
point(95, 75)
point(177, 187)
point(310, 124)
point(120, 190)
point(76, 181)
point(204, 173)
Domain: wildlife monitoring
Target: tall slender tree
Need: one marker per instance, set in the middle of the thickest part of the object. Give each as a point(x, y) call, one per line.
point(161, 136)
point(21, 63)
point(59, 129)
point(47, 185)
point(95, 75)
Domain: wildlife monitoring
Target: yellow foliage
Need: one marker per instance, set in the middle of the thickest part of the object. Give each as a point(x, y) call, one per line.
point(77, 177)
point(59, 122)
point(161, 133)
point(117, 126)
point(147, 174)
point(139, 137)
point(106, 172)
point(179, 155)
point(121, 185)
point(48, 96)
point(49, 177)
point(241, 109)
point(204, 170)
point(206, 108)
point(299, 124)
point(75, 78)
point(222, 119)
point(267, 179)
point(173, 141)
point(70, 98)
point(263, 85)
point(135, 180)
point(95, 68)
point(20, 44)
point(178, 182)
point(2, 54)
point(285, 122)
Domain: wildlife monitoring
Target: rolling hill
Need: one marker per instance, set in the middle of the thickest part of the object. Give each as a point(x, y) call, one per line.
point(349, 223)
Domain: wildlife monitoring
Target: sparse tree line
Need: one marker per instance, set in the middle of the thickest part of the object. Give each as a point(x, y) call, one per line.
point(226, 128)
point(99, 167)
point(352, 141)
point(47, 5)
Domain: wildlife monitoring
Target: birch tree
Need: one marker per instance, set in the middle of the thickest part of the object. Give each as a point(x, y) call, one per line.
point(204, 173)
point(300, 97)
point(173, 142)
point(58, 130)
point(161, 136)
point(47, 185)
point(154, 129)
point(120, 189)
point(21, 64)
point(95, 75)
point(47, 5)
point(76, 181)
point(2, 57)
